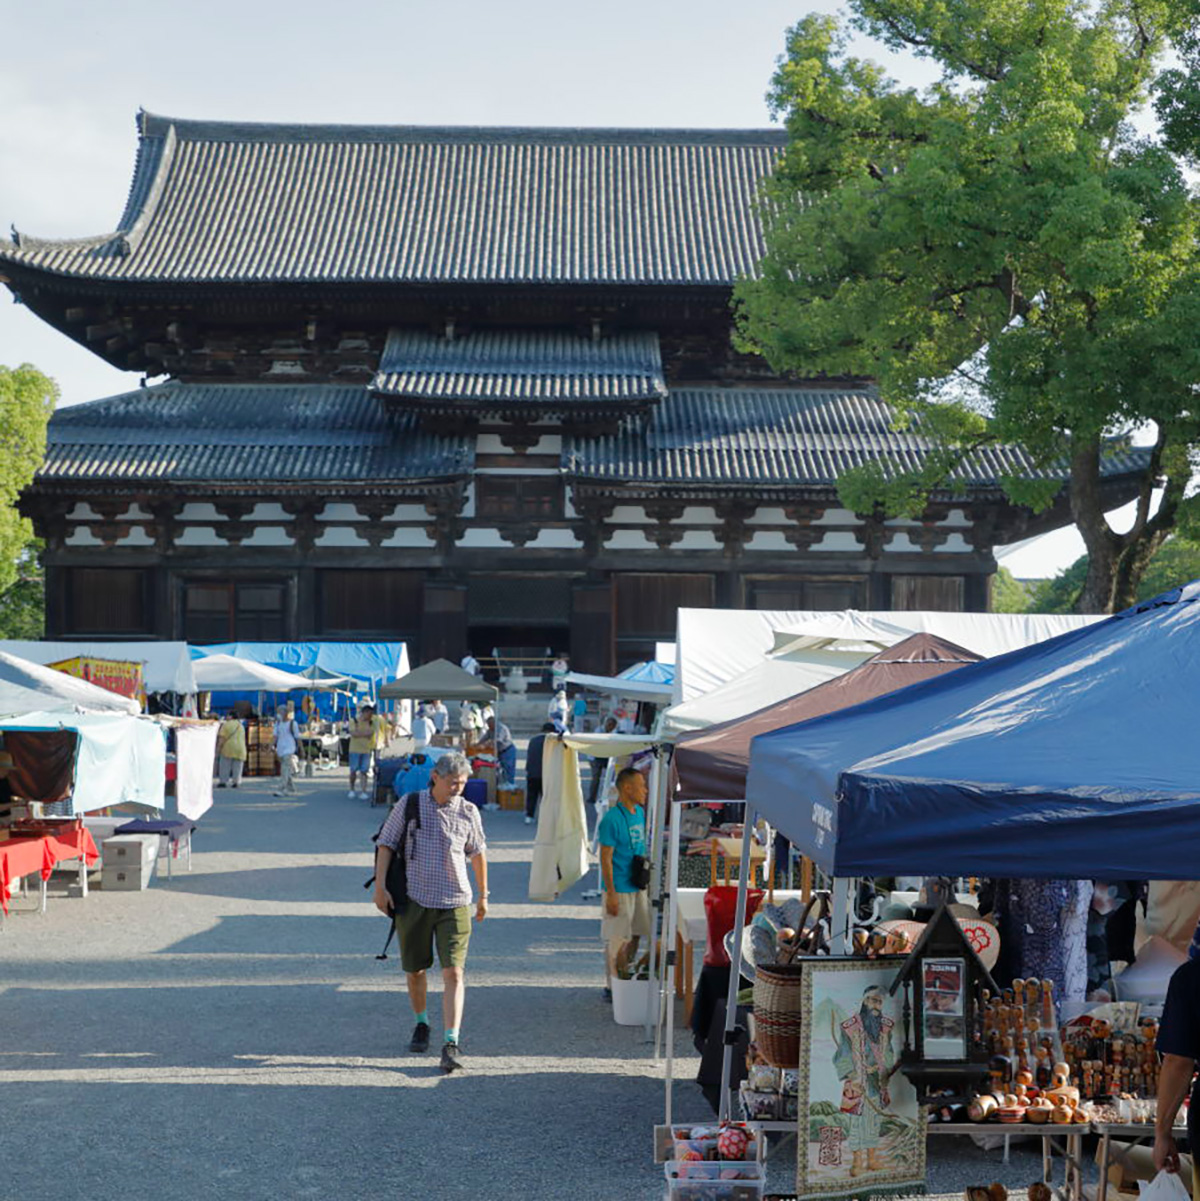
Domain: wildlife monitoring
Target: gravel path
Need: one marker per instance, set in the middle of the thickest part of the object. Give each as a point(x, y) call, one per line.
point(233, 1036)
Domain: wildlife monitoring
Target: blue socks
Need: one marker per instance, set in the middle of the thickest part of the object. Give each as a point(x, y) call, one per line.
point(423, 1016)
point(451, 1036)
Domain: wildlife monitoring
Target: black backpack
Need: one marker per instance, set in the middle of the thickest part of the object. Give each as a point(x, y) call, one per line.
point(396, 881)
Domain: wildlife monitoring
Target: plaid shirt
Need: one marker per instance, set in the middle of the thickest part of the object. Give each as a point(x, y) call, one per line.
point(437, 853)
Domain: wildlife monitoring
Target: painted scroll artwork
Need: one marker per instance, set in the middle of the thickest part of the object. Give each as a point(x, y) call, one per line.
point(861, 1131)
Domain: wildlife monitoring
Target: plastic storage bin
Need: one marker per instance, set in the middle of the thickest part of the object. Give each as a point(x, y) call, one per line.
point(715, 1180)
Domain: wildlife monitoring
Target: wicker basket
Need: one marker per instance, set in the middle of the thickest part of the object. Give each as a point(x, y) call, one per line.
point(779, 990)
point(778, 1005)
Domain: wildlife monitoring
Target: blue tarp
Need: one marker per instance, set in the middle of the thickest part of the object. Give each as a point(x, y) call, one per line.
point(372, 663)
point(650, 672)
point(1071, 757)
point(118, 759)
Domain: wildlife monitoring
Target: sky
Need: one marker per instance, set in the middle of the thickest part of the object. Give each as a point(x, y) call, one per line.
point(70, 97)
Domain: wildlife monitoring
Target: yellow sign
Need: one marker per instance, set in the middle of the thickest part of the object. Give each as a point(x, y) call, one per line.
point(116, 675)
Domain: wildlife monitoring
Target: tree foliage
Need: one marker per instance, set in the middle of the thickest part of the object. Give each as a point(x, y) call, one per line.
point(23, 602)
point(27, 398)
point(1008, 596)
point(1000, 252)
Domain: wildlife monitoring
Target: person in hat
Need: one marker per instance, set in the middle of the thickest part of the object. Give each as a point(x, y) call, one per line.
point(368, 733)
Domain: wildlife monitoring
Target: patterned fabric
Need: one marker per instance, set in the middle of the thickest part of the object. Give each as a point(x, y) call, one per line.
point(1043, 923)
point(438, 852)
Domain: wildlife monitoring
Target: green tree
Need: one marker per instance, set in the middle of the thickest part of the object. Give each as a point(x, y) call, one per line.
point(1000, 252)
point(27, 398)
point(1007, 595)
point(23, 602)
point(1176, 562)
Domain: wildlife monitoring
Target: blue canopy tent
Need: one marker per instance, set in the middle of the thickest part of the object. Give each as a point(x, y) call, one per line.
point(649, 671)
point(1067, 755)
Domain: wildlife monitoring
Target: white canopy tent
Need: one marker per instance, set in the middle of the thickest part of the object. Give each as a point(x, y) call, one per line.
point(225, 673)
point(654, 692)
point(767, 682)
point(27, 687)
point(166, 666)
point(717, 645)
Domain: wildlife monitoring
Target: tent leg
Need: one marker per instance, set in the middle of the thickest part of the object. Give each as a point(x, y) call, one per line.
point(840, 933)
point(658, 779)
point(735, 966)
point(672, 945)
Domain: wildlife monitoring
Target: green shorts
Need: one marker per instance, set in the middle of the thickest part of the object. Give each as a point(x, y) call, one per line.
point(419, 928)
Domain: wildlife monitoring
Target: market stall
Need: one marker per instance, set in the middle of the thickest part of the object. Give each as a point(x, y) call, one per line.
point(713, 763)
point(1061, 765)
point(86, 761)
point(166, 666)
point(26, 686)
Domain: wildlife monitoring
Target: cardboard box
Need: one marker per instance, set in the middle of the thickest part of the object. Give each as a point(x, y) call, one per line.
point(511, 798)
point(128, 861)
point(134, 878)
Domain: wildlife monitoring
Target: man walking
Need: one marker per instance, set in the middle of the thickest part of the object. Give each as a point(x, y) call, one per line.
point(533, 772)
point(287, 742)
point(437, 847)
point(622, 835)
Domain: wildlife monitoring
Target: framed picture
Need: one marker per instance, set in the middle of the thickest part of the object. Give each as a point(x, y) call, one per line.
point(860, 1130)
point(943, 1008)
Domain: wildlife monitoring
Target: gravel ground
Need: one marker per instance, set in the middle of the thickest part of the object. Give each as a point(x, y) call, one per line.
point(233, 1036)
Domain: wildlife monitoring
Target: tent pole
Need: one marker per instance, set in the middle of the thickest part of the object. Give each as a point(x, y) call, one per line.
point(676, 809)
point(840, 938)
point(653, 995)
point(735, 963)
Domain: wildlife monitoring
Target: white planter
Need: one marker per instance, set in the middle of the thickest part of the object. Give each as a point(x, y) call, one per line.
point(630, 999)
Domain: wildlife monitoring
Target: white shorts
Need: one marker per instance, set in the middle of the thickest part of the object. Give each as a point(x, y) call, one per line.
point(632, 920)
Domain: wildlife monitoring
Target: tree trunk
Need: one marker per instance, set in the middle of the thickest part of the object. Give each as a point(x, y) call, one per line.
point(1117, 562)
point(1096, 596)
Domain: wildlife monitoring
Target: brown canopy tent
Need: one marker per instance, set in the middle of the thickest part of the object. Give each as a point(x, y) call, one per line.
point(441, 680)
point(711, 764)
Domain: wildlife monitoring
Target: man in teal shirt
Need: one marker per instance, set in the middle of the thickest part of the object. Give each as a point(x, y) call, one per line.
point(622, 835)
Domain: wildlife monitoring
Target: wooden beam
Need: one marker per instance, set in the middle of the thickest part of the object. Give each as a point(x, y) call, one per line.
point(104, 330)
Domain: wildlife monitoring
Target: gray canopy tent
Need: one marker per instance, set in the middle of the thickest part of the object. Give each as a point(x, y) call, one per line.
point(439, 679)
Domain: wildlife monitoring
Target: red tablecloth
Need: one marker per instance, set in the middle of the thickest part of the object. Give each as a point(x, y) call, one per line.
point(25, 856)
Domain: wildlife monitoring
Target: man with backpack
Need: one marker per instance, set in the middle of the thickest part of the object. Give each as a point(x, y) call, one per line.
point(435, 832)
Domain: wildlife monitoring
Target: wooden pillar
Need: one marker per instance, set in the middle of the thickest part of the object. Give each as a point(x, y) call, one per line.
point(56, 601)
point(593, 647)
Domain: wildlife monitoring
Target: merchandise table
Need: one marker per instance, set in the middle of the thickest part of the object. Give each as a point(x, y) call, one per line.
point(177, 835)
point(1137, 1132)
point(40, 853)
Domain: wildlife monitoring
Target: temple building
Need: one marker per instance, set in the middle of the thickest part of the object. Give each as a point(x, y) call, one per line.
point(466, 387)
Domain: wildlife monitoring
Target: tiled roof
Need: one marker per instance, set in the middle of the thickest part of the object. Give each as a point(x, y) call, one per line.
point(245, 433)
point(521, 368)
point(226, 202)
point(781, 437)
